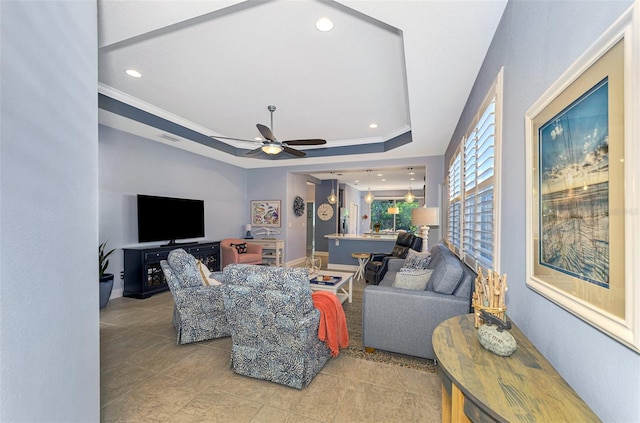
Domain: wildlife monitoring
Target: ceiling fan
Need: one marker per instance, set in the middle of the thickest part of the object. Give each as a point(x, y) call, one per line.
point(271, 146)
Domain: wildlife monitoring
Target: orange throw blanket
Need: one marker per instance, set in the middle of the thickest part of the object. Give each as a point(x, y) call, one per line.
point(333, 323)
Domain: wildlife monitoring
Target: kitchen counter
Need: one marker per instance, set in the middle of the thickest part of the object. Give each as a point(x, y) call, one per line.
point(341, 246)
point(365, 237)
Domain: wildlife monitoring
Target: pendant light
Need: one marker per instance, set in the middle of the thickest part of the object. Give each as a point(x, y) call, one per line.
point(369, 197)
point(409, 196)
point(393, 209)
point(332, 199)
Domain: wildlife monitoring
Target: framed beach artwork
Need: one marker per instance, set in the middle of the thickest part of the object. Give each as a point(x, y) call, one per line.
point(265, 213)
point(583, 223)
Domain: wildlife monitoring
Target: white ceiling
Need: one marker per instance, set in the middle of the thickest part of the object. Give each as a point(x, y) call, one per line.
point(214, 66)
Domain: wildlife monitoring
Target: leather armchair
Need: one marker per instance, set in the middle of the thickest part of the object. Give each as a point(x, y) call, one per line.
point(377, 265)
point(230, 254)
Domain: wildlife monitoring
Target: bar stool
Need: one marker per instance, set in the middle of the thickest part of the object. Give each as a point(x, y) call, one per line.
point(363, 258)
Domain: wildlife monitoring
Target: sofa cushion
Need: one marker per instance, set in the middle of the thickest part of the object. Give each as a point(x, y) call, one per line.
point(241, 248)
point(416, 260)
point(447, 275)
point(416, 279)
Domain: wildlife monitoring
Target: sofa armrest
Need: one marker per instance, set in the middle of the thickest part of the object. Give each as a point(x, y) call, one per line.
point(378, 256)
point(403, 321)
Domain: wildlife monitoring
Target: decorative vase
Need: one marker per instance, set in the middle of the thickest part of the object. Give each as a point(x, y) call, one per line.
point(106, 285)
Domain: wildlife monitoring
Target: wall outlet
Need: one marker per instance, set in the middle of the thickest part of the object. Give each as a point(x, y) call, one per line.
point(122, 274)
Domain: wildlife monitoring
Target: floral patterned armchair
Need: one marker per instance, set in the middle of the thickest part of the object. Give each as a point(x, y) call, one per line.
point(199, 311)
point(274, 325)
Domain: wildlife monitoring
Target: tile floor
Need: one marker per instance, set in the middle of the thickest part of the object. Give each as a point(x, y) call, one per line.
point(146, 377)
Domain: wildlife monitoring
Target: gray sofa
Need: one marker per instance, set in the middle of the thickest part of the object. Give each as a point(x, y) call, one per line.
point(403, 320)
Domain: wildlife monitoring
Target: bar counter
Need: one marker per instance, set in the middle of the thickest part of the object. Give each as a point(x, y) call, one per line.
point(341, 246)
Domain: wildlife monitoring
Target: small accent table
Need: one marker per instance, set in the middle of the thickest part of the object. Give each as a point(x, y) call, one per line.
point(342, 294)
point(480, 386)
point(363, 259)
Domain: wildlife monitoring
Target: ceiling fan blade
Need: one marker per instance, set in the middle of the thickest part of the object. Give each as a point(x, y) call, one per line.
point(266, 132)
point(305, 142)
point(293, 151)
point(255, 152)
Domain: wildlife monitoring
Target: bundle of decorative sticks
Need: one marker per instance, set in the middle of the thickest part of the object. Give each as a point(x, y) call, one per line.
point(489, 295)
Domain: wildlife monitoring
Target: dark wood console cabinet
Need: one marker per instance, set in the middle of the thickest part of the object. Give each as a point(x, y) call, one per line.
point(143, 275)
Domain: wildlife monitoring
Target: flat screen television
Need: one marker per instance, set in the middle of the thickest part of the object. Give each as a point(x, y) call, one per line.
point(169, 219)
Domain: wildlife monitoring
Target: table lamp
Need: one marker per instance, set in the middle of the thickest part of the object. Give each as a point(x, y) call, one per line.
point(424, 217)
point(247, 228)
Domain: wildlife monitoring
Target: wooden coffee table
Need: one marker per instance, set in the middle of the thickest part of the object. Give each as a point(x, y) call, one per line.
point(342, 291)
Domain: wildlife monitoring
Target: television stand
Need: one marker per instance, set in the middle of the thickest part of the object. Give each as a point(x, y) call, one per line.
point(143, 275)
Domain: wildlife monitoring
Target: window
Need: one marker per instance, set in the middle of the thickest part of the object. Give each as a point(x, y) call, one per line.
point(472, 223)
point(455, 201)
point(403, 218)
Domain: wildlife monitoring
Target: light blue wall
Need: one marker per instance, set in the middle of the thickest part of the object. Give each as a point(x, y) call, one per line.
point(49, 335)
point(296, 244)
point(324, 227)
point(131, 165)
point(536, 42)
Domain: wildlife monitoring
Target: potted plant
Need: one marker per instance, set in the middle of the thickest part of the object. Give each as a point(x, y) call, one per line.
point(106, 279)
point(376, 226)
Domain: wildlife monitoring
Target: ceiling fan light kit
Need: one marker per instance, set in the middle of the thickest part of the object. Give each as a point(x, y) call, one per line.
point(271, 148)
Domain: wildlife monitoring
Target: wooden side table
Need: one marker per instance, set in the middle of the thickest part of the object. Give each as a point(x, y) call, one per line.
point(480, 386)
point(363, 259)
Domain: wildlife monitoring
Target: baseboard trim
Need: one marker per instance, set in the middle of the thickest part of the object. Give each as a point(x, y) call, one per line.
point(116, 293)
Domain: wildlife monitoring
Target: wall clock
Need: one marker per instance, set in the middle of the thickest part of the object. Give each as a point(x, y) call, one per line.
point(298, 206)
point(325, 211)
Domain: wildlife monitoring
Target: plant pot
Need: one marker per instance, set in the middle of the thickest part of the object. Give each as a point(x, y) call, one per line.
point(106, 285)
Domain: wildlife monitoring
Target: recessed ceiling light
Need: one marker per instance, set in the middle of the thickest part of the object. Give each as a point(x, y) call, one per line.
point(324, 24)
point(373, 126)
point(134, 73)
point(356, 181)
point(383, 180)
point(258, 139)
point(379, 174)
point(412, 179)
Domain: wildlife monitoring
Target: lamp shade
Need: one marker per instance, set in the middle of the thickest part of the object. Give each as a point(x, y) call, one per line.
point(425, 216)
point(247, 227)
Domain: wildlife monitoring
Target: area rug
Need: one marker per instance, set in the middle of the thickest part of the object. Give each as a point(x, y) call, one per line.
point(353, 312)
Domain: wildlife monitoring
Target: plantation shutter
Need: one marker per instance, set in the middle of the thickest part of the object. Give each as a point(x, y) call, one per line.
point(455, 203)
point(479, 163)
